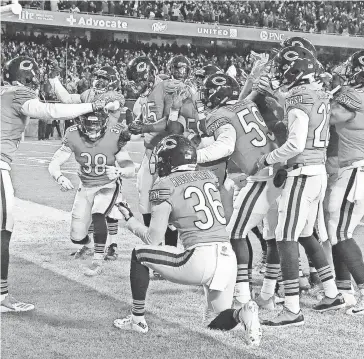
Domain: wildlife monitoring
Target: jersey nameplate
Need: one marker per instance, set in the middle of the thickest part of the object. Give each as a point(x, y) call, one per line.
point(294, 100)
point(344, 99)
point(216, 125)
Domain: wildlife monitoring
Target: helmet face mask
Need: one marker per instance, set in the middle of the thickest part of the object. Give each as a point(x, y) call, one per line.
point(107, 79)
point(93, 125)
point(179, 67)
point(351, 70)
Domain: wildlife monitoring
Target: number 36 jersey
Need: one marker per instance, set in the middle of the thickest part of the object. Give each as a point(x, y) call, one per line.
point(197, 212)
point(93, 156)
point(253, 139)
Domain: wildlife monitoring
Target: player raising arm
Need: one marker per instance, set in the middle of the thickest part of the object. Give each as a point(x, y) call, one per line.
point(19, 102)
point(99, 150)
point(189, 200)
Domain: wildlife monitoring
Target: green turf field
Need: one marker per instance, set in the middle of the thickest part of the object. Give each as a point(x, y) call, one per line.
point(74, 314)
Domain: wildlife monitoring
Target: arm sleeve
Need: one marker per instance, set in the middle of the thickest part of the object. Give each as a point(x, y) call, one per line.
point(126, 164)
point(62, 94)
point(61, 156)
point(45, 111)
point(248, 85)
point(153, 235)
point(296, 141)
point(223, 146)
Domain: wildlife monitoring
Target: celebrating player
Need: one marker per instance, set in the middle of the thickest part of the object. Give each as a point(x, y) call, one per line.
point(346, 199)
point(19, 101)
point(99, 150)
point(189, 200)
point(307, 109)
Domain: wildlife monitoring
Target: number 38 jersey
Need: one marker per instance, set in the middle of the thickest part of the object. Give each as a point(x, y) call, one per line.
point(315, 102)
point(253, 139)
point(197, 212)
point(93, 156)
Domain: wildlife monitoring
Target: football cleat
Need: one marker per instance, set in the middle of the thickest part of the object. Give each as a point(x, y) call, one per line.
point(327, 303)
point(94, 269)
point(83, 252)
point(350, 299)
point(248, 316)
point(129, 323)
point(10, 304)
point(358, 309)
point(269, 303)
point(157, 276)
point(111, 254)
point(286, 318)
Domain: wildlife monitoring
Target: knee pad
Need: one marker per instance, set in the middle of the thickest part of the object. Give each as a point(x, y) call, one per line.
point(84, 241)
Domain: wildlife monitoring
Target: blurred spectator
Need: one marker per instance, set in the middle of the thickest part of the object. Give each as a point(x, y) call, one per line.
point(74, 8)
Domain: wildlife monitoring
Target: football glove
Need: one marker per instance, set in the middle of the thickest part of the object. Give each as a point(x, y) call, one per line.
point(125, 210)
point(124, 136)
point(65, 183)
point(264, 86)
point(193, 137)
point(113, 172)
point(224, 321)
point(98, 105)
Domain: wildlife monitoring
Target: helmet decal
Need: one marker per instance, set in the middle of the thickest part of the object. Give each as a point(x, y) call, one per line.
point(219, 81)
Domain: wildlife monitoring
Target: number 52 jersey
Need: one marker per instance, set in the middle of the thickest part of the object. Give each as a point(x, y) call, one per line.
point(93, 156)
point(197, 212)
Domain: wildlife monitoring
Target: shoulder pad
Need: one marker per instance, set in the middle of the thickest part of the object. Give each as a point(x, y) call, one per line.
point(66, 137)
point(111, 96)
point(300, 98)
point(87, 96)
point(350, 98)
point(214, 121)
point(161, 191)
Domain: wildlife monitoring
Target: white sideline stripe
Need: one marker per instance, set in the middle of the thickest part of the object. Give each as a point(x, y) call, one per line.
point(29, 214)
point(137, 165)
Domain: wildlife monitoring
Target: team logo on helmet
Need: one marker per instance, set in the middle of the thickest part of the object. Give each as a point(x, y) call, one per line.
point(218, 81)
point(291, 55)
point(361, 60)
point(142, 66)
point(167, 144)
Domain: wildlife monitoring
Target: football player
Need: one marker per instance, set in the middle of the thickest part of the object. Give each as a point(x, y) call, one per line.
point(201, 74)
point(189, 200)
point(19, 102)
point(156, 117)
point(241, 136)
point(106, 86)
point(346, 199)
point(307, 109)
point(99, 150)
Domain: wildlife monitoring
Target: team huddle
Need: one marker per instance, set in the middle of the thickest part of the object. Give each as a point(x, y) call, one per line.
point(284, 152)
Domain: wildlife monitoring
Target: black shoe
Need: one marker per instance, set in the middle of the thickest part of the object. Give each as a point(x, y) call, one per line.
point(327, 303)
point(285, 318)
point(111, 254)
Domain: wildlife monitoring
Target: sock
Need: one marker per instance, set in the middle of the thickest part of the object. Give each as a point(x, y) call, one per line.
point(288, 253)
point(250, 263)
point(139, 282)
point(318, 258)
point(5, 243)
point(242, 290)
point(343, 276)
point(352, 256)
point(112, 230)
point(171, 237)
point(262, 241)
point(326, 246)
point(272, 270)
point(100, 233)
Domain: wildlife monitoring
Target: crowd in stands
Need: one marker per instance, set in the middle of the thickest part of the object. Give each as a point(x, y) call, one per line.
point(78, 58)
point(340, 17)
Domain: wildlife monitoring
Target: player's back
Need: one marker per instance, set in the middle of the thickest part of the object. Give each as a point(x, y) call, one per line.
point(315, 102)
point(197, 212)
point(253, 138)
point(93, 156)
point(351, 133)
point(13, 121)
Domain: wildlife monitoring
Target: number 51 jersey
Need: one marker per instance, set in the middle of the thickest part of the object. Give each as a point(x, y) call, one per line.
point(93, 156)
point(253, 139)
point(197, 212)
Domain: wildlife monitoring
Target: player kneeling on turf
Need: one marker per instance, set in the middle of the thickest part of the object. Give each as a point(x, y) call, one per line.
point(190, 201)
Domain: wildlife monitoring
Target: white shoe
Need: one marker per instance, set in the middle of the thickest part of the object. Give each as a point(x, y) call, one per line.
point(269, 303)
point(350, 299)
point(248, 316)
point(94, 269)
point(10, 304)
point(358, 309)
point(129, 323)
